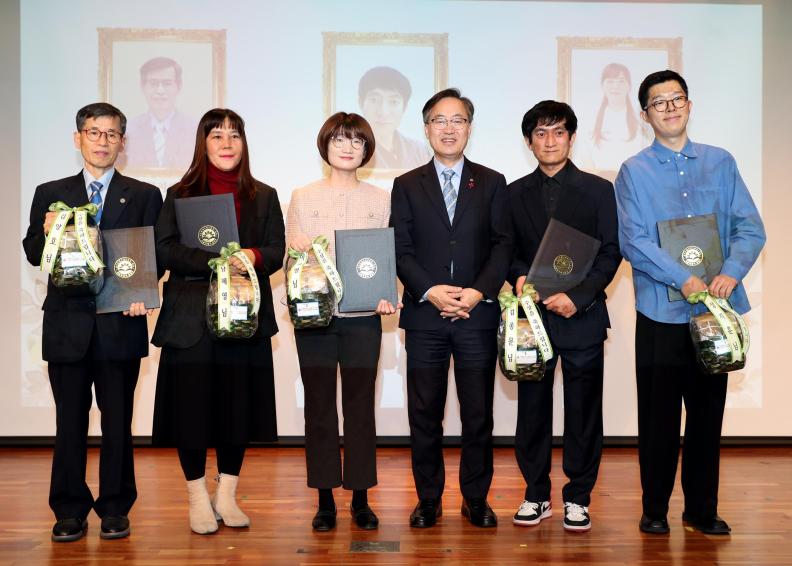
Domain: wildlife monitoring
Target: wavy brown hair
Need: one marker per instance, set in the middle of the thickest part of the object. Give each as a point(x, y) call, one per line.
point(194, 181)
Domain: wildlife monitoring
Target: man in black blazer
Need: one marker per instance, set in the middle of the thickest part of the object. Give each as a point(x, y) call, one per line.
point(83, 348)
point(577, 320)
point(453, 248)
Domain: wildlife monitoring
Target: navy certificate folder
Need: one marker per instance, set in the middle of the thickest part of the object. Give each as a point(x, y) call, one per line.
point(366, 262)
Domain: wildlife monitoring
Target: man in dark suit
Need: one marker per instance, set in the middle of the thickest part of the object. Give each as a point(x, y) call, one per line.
point(83, 348)
point(577, 320)
point(453, 248)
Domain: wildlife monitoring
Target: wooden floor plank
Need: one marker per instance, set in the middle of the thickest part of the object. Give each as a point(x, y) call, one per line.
point(755, 497)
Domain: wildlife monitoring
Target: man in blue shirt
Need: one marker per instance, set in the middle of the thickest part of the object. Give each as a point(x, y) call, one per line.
point(677, 178)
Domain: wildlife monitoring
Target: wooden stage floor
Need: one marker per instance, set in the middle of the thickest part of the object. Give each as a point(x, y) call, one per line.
point(755, 498)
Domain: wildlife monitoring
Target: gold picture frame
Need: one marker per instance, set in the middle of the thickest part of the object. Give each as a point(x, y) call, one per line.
point(599, 77)
point(201, 57)
point(369, 42)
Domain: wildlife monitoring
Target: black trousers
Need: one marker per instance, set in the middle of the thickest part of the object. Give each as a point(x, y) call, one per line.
point(354, 345)
point(428, 356)
point(666, 375)
point(114, 383)
point(582, 370)
point(229, 460)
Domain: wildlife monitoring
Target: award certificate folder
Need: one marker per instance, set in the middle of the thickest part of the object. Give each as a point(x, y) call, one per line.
point(130, 270)
point(207, 222)
point(563, 260)
point(694, 243)
point(366, 262)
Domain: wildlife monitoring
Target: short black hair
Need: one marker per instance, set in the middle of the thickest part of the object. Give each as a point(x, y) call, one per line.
point(656, 79)
point(386, 78)
point(97, 110)
point(447, 93)
point(546, 113)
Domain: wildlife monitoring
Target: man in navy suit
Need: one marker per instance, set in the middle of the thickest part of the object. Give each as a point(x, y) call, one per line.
point(577, 320)
point(84, 349)
point(453, 248)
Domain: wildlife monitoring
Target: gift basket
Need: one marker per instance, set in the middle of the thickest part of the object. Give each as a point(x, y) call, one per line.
point(523, 345)
point(315, 288)
point(720, 335)
point(73, 249)
point(232, 302)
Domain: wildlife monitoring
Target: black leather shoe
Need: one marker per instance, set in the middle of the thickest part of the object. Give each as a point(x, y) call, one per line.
point(114, 527)
point(324, 520)
point(67, 530)
point(426, 513)
point(712, 526)
point(654, 526)
point(365, 518)
point(479, 513)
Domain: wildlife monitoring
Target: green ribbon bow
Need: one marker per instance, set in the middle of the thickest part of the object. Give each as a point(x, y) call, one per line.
point(61, 206)
point(511, 303)
point(319, 248)
point(225, 255)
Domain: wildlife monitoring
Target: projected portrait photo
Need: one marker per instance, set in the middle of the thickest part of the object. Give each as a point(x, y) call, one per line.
point(386, 77)
point(163, 81)
point(599, 77)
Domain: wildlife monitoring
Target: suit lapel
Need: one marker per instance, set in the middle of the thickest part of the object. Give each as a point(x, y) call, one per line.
point(434, 192)
point(116, 199)
point(571, 193)
point(534, 203)
point(467, 186)
point(77, 194)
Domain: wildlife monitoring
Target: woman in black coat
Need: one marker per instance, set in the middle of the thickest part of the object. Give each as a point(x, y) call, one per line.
point(215, 392)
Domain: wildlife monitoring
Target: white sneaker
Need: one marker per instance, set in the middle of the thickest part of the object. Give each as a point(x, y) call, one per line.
point(576, 517)
point(532, 512)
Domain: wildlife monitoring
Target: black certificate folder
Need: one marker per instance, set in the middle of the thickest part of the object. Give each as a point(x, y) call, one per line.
point(366, 262)
point(130, 270)
point(563, 260)
point(207, 222)
point(694, 243)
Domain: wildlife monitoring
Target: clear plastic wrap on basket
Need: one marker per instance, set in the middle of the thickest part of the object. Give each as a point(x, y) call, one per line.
point(713, 353)
point(530, 365)
point(243, 317)
point(70, 270)
point(314, 308)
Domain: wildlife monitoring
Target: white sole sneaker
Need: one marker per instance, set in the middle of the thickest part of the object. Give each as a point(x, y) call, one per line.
point(577, 528)
point(523, 523)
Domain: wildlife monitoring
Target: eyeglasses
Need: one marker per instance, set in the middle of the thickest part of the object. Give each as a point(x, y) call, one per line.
point(662, 105)
point(95, 135)
point(339, 141)
point(441, 123)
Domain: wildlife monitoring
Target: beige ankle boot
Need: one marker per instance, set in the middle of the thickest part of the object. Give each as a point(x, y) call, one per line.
point(202, 518)
point(225, 505)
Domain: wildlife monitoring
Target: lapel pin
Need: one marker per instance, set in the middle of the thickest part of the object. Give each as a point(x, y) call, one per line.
point(471, 184)
point(123, 200)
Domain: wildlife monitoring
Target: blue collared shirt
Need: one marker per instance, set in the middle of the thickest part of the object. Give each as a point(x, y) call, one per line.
point(661, 184)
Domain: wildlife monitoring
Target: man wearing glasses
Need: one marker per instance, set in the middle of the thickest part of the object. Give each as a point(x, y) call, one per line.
point(84, 349)
point(676, 178)
point(453, 250)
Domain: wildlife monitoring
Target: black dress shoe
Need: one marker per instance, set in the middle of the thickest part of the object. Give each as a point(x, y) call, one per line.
point(114, 527)
point(324, 520)
point(479, 513)
point(67, 530)
point(426, 513)
point(654, 526)
point(365, 518)
point(712, 526)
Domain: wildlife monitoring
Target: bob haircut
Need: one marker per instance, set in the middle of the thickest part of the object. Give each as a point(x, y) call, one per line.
point(547, 113)
point(194, 181)
point(350, 126)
